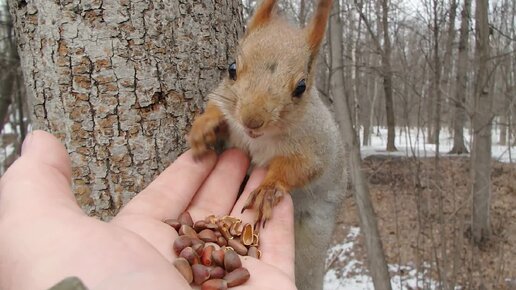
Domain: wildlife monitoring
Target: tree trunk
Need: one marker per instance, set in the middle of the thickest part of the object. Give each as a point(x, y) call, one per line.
point(371, 87)
point(9, 73)
point(481, 157)
point(369, 226)
point(459, 119)
point(448, 64)
point(372, 90)
point(504, 118)
point(302, 13)
point(436, 80)
point(6, 85)
point(506, 74)
point(120, 81)
point(387, 78)
point(385, 52)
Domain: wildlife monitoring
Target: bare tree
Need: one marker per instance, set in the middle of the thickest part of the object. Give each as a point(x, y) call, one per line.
point(482, 118)
point(385, 49)
point(459, 100)
point(8, 75)
point(12, 101)
point(369, 226)
point(434, 108)
point(120, 81)
point(504, 46)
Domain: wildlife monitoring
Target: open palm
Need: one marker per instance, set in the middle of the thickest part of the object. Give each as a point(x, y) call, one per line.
point(45, 237)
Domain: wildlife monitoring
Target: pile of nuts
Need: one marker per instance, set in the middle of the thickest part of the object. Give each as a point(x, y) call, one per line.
point(208, 250)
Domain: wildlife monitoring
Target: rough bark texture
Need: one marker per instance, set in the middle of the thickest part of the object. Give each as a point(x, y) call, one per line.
point(481, 155)
point(119, 81)
point(368, 224)
point(459, 118)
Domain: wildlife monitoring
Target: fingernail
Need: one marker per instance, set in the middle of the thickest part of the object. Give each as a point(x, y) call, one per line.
point(26, 143)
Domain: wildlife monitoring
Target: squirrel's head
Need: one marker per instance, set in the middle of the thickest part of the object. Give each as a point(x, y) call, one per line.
point(272, 78)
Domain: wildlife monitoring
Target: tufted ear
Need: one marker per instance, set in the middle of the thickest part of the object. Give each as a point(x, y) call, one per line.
point(317, 27)
point(262, 15)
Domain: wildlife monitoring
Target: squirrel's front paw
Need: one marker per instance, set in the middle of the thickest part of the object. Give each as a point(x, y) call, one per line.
point(264, 199)
point(203, 135)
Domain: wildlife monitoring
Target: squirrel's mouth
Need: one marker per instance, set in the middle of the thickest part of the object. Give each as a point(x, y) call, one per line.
point(252, 134)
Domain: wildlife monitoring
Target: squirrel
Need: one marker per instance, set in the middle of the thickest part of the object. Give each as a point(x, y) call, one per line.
point(269, 107)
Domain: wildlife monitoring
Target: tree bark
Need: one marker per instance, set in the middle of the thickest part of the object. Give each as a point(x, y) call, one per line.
point(371, 87)
point(387, 78)
point(369, 226)
point(120, 81)
point(504, 118)
point(482, 119)
point(459, 119)
point(435, 127)
point(448, 66)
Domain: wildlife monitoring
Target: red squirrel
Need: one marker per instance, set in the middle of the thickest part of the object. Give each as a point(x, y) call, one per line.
point(269, 107)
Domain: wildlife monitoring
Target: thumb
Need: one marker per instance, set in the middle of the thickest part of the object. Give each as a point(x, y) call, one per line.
point(39, 179)
point(43, 147)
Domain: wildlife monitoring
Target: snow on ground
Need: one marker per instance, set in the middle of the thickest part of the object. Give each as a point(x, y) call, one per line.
point(354, 276)
point(413, 142)
point(5, 152)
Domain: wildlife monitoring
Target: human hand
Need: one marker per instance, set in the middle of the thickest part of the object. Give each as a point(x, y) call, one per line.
point(45, 237)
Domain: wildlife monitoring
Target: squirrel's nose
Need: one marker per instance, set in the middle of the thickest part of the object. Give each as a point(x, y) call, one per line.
point(253, 123)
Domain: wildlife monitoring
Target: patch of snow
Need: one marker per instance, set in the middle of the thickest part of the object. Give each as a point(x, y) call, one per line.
point(339, 251)
point(333, 282)
point(8, 129)
point(354, 275)
point(412, 142)
point(6, 152)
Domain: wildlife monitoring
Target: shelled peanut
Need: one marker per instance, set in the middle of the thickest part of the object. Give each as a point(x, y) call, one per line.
point(208, 250)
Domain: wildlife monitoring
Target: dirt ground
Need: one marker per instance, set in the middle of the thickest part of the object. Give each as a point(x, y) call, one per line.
point(424, 213)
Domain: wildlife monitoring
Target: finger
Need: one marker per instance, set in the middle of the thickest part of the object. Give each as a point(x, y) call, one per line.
point(249, 215)
point(277, 238)
point(170, 194)
point(40, 179)
point(225, 177)
point(219, 192)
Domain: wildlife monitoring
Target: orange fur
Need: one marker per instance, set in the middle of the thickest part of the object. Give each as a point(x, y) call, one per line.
point(204, 130)
point(284, 174)
point(291, 171)
point(251, 114)
point(317, 27)
point(262, 15)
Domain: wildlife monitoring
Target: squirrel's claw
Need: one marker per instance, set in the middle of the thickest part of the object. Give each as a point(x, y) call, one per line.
point(203, 136)
point(264, 199)
point(250, 202)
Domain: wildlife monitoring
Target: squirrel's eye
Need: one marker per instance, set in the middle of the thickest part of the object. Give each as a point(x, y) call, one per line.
point(232, 71)
point(300, 88)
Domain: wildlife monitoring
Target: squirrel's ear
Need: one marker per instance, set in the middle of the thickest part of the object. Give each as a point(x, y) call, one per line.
point(317, 27)
point(262, 15)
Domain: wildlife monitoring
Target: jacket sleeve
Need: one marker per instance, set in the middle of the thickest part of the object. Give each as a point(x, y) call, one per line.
point(70, 283)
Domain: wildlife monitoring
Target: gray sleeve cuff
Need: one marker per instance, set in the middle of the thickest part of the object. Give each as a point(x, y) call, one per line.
point(70, 283)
